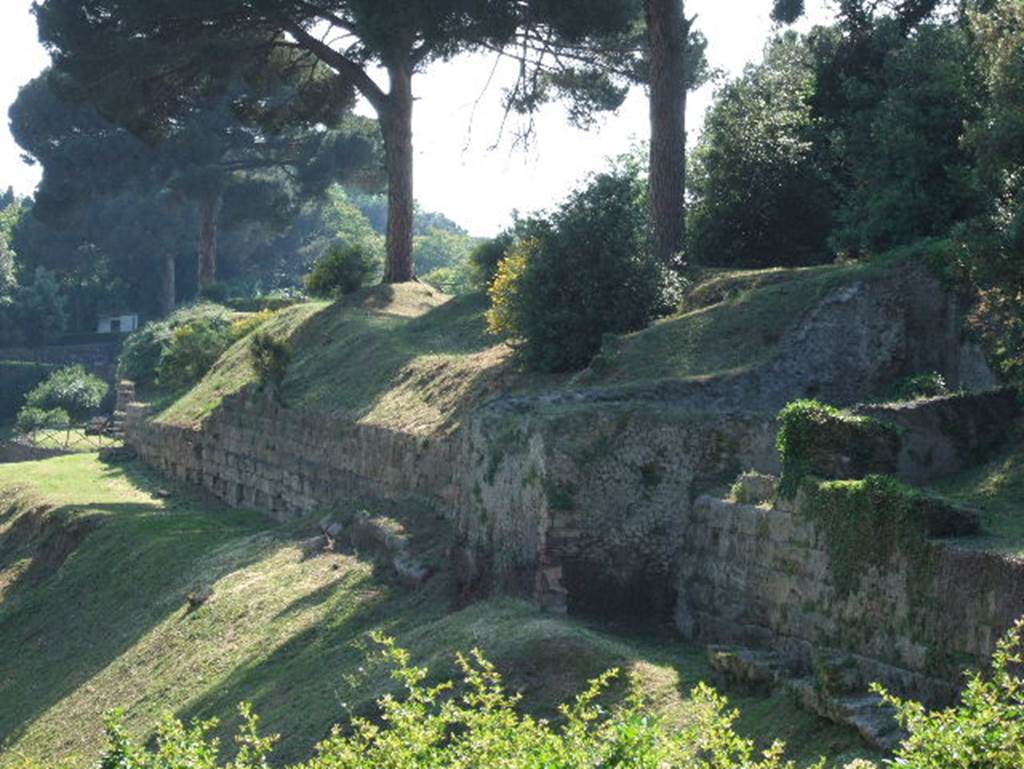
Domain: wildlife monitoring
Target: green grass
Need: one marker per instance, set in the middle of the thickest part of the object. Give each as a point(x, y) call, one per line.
point(96, 566)
point(403, 355)
point(410, 358)
point(996, 490)
point(736, 322)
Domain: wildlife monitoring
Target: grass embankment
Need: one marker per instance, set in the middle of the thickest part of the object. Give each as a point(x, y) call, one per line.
point(411, 358)
point(96, 567)
point(996, 489)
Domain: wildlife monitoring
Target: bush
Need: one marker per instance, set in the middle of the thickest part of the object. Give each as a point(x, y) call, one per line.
point(192, 351)
point(486, 257)
point(584, 273)
point(341, 270)
point(244, 326)
point(819, 440)
point(270, 358)
point(71, 389)
point(143, 349)
point(474, 724)
point(31, 419)
point(984, 731)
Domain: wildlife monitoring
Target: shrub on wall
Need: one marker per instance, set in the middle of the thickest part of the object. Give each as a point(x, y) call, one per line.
point(341, 270)
point(816, 439)
point(921, 386)
point(270, 358)
point(192, 350)
point(143, 350)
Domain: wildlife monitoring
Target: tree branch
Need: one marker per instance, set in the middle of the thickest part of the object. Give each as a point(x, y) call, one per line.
point(341, 64)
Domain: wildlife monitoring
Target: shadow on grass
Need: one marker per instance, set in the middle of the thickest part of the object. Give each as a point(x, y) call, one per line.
point(101, 576)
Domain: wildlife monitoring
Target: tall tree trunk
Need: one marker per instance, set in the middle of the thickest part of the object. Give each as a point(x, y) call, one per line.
point(209, 214)
point(396, 124)
point(168, 288)
point(667, 36)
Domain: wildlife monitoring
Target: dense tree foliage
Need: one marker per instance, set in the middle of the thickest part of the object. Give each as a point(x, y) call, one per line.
point(762, 196)
point(991, 245)
point(849, 141)
point(170, 53)
point(223, 158)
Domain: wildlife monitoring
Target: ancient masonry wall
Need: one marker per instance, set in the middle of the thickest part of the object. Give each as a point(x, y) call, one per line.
point(251, 453)
point(762, 578)
point(604, 510)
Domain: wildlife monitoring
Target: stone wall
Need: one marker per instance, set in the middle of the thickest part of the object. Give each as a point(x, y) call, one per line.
point(583, 507)
point(99, 356)
point(16, 451)
point(252, 453)
point(943, 436)
point(761, 577)
point(585, 500)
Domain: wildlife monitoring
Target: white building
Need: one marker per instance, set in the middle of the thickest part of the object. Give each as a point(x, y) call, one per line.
point(117, 324)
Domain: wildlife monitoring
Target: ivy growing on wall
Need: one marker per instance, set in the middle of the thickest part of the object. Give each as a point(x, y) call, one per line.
point(871, 521)
point(816, 439)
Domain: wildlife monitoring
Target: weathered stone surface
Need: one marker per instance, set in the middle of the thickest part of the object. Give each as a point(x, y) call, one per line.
point(942, 436)
point(18, 451)
point(118, 454)
point(775, 591)
point(757, 488)
point(866, 713)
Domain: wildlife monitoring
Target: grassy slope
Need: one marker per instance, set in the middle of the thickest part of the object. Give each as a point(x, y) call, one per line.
point(408, 357)
point(93, 614)
point(996, 490)
point(732, 321)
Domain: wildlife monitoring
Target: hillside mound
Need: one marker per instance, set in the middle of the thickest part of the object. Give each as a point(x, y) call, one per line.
point(409, 358)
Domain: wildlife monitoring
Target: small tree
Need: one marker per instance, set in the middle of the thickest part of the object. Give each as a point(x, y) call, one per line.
point(31, 420)
point(71, 389)
point(270, 358)
point(341, 270)
point(193, 349)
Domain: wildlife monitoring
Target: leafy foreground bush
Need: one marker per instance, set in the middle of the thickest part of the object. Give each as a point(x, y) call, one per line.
point(477, 724)
point(985, 732)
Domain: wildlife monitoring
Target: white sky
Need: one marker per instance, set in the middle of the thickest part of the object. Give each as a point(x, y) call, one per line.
point(457, 173)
